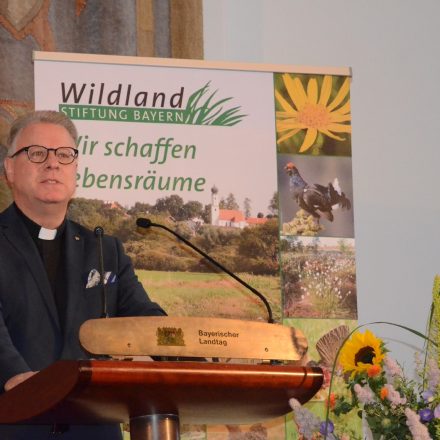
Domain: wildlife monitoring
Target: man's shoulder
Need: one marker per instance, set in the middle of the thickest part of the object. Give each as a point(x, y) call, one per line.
point(8, 215)
point(77, 228)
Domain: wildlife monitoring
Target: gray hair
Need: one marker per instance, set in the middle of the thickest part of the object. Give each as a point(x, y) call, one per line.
point(3, 155)
point(39, 117)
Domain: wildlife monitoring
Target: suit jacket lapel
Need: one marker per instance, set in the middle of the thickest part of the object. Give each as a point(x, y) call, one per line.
point(18, 236)
point(74, 258)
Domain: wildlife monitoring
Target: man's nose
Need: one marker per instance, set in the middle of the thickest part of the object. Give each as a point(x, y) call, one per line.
point(52, 160)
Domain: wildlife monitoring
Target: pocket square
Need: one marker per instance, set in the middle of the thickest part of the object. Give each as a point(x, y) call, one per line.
point(94, 278)
point(109, 278)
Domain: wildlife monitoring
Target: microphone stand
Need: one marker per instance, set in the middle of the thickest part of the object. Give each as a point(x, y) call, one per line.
point(99, 232)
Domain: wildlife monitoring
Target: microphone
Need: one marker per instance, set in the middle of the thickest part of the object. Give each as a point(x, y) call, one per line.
point(99, 232)
point(147, 223)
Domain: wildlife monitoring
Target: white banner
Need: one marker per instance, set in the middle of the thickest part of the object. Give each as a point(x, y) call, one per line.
point(151, 131)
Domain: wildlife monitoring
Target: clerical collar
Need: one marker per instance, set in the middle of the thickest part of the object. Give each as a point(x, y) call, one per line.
point(47, 234)
point(38, 231)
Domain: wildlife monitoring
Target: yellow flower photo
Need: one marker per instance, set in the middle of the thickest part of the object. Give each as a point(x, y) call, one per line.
point(306, 114)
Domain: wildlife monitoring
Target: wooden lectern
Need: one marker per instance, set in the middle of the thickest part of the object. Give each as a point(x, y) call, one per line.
point(153, 396)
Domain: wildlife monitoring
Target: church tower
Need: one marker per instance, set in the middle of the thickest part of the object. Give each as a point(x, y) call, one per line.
point(215, 206)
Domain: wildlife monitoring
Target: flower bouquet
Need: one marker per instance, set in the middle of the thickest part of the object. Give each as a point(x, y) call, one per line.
point(390, 405)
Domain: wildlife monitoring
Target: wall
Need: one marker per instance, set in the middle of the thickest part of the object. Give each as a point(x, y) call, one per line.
point(392, 47)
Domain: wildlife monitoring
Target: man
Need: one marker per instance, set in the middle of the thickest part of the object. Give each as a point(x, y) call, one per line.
point(49, 266)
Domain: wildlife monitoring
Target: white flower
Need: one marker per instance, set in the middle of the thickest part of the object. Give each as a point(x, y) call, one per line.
point(307, 422)
point(433, 374)
point(393, 396)
point(418, 430)
point(364, 394)
point(392, 369)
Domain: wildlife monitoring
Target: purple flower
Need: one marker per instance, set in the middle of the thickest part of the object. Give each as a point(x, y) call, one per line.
point(437, 412)
point(426, 415)
point(428, 396)
point(329, 425)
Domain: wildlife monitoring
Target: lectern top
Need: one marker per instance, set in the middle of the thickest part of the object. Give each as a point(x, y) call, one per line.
point(81, 392)
point(192, 337)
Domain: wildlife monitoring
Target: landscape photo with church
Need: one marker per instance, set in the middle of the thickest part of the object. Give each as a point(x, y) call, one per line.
point(180, 279)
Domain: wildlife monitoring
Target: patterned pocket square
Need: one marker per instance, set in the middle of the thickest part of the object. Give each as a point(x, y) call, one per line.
point(94, 278)
point(109, 278)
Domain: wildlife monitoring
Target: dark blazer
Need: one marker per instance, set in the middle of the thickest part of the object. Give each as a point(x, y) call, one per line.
point(31, 336)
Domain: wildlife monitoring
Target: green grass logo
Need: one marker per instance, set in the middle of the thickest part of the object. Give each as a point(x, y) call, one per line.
point(204, 110)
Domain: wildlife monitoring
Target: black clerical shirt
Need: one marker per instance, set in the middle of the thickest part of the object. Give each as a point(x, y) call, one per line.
point(52, 254)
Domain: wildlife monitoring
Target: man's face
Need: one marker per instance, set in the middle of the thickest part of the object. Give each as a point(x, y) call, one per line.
point(50, 182)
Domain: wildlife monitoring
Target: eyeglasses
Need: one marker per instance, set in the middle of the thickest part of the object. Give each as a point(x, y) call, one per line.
point(39, 154)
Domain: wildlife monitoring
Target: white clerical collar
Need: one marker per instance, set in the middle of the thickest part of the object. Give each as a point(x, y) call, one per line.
point(47, 234)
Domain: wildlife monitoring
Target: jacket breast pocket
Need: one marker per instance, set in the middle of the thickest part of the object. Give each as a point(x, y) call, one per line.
point(96, 298)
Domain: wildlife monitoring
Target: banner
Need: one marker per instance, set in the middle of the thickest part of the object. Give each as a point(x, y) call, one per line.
point(252, 163)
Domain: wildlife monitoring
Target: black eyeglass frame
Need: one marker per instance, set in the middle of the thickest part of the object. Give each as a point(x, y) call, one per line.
point(48, 150)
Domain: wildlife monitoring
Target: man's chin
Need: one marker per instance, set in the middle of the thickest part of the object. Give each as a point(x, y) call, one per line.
point(61, 201)
point(54, 198)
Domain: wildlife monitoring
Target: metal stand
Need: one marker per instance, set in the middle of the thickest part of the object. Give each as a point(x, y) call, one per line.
point(155, 427)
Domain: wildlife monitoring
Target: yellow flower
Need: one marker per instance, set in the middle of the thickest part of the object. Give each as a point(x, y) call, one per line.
point(307, 112)
point(360, 352)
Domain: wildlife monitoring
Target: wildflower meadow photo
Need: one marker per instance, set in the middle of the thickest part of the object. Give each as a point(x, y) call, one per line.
point(318, 277)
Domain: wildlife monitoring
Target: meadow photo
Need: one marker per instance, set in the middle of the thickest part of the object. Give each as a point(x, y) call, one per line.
point(318, 277)
point(211, 294)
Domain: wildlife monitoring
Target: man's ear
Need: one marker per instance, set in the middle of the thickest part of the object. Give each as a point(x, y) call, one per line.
point(8, 170)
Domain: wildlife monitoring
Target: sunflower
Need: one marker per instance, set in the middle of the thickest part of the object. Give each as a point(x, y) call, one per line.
point(360, 352)
point(305, 111)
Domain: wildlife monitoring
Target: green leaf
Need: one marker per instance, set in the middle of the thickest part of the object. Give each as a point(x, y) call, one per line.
point(208, 112)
